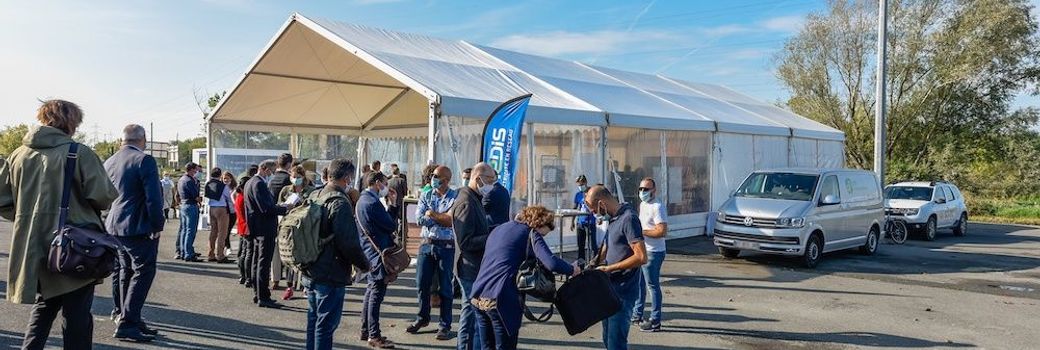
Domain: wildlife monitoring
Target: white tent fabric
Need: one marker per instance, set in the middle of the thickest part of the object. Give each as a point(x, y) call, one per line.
point(332, 75)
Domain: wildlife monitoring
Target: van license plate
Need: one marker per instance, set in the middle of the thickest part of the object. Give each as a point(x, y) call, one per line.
point(746, 245)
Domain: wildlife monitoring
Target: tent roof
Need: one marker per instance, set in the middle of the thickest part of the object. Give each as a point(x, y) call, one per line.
point(322, 74)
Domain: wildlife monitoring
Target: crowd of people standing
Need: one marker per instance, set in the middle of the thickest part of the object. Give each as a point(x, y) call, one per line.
point(470, 248)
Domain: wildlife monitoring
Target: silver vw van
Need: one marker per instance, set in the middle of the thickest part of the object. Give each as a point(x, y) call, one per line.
point(802, 212)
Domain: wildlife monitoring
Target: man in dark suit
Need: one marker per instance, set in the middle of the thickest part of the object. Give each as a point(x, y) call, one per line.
point(471, 232)
point(378, 224)
point(135, 219)
point(262, 219)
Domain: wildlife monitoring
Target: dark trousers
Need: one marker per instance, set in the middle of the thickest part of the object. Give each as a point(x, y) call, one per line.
point(264, 253)
point(494, 333)
point(374, 294)
point(586, 238)
point(245, 259)
point(435, 260)
point(231, 224)
point(119, 286)
point(78, 325)
point(137, 259)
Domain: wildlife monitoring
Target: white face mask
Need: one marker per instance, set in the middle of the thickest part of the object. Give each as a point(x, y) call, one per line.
point(486, 189)
point(384, 191)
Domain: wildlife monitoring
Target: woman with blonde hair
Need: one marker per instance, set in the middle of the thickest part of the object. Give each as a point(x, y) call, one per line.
point(31, 182)
point(495, 294)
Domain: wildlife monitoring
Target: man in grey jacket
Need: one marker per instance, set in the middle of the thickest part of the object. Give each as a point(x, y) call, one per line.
point(471, 232)
point(136, 219)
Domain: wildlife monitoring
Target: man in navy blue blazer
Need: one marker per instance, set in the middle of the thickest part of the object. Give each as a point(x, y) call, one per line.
point(135, 219)
point(378, 227)
point(262, 219)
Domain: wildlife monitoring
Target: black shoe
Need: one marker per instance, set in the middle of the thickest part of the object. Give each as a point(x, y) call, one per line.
point(147, 330)
point(249, 285)
point(637, 321)
point(192, 259)
point(364, 335)
point(241, 281)
point(650, 326)
point(443, 334)
point(270, 304)
point(132, 334)
point(416, 326)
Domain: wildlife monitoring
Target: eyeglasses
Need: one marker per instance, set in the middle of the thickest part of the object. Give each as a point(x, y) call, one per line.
point(648, 189)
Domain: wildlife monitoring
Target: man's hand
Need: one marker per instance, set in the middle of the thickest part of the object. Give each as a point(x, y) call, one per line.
point(429, 213)
point(392, 196)
point(577, 269)
point(155, 235)
point(604, 268)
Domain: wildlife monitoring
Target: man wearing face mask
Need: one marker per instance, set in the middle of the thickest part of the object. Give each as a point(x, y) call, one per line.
point(262, 219)
point(584, 226)
point(378, 231)
point(188, 188)
point(471, 233)
point(436, 253)
point(622, 255)
point(653, 216)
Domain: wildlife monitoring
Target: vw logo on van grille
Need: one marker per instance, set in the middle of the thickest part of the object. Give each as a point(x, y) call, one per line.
point(748, 221)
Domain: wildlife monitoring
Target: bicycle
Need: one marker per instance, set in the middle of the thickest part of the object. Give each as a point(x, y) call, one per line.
point(895, 229)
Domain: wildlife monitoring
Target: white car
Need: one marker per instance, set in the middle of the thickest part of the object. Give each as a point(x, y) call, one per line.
point(928, 207)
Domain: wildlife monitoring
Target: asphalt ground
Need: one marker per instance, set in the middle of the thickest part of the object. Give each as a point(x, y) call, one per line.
point(977, 291)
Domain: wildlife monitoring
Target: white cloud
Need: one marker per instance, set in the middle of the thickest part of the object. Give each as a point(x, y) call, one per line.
point(567, 43)
point(786, 24)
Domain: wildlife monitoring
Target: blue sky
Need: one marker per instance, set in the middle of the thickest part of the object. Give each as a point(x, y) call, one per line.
point(143, 61)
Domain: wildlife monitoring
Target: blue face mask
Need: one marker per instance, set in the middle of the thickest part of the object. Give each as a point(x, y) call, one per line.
point(645, 196)
point(435, 182)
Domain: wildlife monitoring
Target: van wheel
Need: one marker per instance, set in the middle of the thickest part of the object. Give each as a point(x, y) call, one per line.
point(813, 251)
point(930, 229)
point(962, 226)
point(871, 246)
point(729, 253)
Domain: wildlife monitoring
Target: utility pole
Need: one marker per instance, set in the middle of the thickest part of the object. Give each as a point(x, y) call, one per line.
point(879, 112)
point(151, 136)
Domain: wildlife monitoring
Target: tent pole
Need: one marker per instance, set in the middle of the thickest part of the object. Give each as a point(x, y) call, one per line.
point(431, 136)
point(209, 144)
point(531, 190)
point(603, 154)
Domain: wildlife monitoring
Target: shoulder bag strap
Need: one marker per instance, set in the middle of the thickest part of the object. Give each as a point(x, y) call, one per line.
point(70, 172)
point(547, 314)
point(364, 231)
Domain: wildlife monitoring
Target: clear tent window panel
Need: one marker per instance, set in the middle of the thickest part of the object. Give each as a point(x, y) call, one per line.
point(635, 154)
point(688, 188)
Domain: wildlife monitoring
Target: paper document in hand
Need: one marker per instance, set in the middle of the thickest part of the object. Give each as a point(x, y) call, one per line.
point(292, 199)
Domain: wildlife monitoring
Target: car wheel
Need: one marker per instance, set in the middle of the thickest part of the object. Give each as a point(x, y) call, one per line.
point(962, 225)
point(871, 246)
point(930, 229)
point(729, 253)
point(813, 251)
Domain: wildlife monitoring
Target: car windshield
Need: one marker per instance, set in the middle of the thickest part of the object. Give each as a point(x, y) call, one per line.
point(907, 192)
point(787, 186)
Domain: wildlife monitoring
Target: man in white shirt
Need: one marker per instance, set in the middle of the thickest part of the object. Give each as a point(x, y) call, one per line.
point(653, 215)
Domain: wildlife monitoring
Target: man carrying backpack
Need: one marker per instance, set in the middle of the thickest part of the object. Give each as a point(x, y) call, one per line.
point(327, 277)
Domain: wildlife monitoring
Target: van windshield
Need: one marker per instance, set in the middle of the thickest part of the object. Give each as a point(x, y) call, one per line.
point(907, 192)
point(786, 186)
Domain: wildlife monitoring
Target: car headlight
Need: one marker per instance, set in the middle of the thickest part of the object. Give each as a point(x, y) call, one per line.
point(790, 222)
point(720, 216)
point(907, 211)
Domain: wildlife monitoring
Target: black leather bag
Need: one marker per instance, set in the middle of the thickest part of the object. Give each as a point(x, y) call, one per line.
point(76, 251)
point(585, 300)
point(533, 279)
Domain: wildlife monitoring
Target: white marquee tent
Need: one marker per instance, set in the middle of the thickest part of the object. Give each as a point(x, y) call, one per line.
point(326, 89)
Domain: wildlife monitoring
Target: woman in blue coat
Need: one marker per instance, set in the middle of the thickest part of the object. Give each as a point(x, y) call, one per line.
point(495, 294)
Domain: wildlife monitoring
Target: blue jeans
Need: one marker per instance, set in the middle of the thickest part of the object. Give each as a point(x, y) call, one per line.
point(651, 279)
point(469, 338)
point(324, 310)
point(374, 294)
point(189, 226)
point(615, 328)
point(435, 258)
point(493, 330)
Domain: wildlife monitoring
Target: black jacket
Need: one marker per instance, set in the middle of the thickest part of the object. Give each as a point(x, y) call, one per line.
point(279, 179)
point(471, 231)
point(214, 189)
point(261, 210)
point(333, 265)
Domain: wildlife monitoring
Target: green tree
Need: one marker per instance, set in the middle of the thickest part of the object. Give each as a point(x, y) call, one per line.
point(11, 138)
point(184, 148)
point(954, 69)
point(105, 149)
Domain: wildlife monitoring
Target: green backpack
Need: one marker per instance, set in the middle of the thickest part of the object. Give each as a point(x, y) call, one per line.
point(299, 233)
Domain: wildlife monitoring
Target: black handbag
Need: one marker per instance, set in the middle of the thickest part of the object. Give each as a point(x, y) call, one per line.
point(585, 300)
point(533, 279)
point(76, 251)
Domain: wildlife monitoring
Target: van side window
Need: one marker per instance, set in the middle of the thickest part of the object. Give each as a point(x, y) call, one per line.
point(829, 187)
point(949, 195)
point(940, 194)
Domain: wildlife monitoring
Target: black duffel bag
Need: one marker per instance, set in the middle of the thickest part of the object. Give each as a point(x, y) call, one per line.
point(585, 300)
